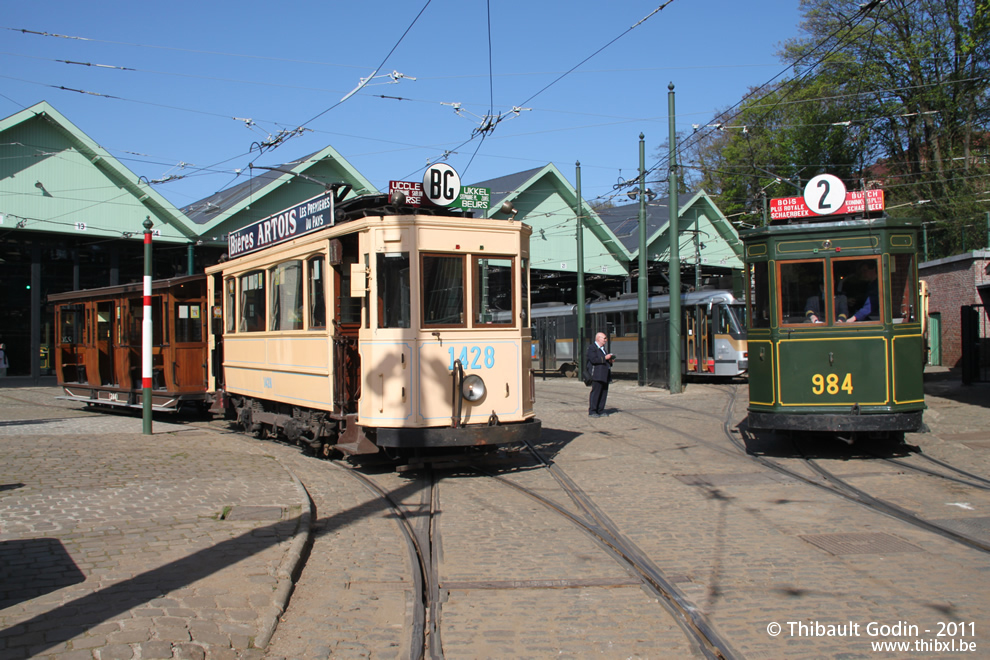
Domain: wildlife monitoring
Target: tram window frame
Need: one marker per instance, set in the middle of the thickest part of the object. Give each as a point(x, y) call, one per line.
point(188, 322)
point(134, 333)
point(506, 266)
point(230, 287)
point(286, 296)
point(846, 270)
point(252, 310)
point(72, 324)
point(903, 289)
point(433, 293)
point(758, 295)
point(797, 289)
point(524, 315)
point(393, 274)
point(316, 274)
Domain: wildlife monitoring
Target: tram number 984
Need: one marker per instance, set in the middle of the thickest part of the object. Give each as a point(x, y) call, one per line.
point(830, 384)
point(473, 357)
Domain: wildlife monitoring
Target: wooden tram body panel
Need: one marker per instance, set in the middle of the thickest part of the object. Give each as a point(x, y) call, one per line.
point(98, 344)
point(832, 375)
point(410, 313)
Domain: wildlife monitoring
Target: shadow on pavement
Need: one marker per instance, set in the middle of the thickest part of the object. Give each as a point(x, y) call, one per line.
point(30, 568)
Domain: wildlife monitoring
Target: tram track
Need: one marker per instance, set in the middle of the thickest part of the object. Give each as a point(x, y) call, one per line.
point(597, 524)
point(424, 640)
point(832, 483)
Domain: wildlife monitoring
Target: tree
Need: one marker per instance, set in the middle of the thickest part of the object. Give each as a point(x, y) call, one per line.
point(891, 93)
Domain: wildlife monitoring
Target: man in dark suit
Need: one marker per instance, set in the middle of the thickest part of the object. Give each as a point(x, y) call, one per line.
point(600, 363)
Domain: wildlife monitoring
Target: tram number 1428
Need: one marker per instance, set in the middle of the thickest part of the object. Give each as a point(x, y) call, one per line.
point(471, 357)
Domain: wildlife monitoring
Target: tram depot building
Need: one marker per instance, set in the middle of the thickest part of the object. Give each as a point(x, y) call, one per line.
point(71, 218)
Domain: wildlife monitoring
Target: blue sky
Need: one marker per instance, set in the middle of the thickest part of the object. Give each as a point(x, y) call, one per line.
point(193, 73)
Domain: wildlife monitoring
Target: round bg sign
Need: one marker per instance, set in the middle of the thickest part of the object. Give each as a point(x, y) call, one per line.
point(825, 194)
point(441, 185)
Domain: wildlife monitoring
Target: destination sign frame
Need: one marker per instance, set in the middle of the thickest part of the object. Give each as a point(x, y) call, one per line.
point(860, 201)
point(314, 214)
point(470, 198)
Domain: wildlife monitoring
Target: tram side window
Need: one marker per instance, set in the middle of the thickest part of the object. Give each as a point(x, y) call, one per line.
point(71, 317)
point(802, 284)
point(252, 307)
point(759, 295)
point(287, 298)
point(317, 292)
point(858, 279)
point(443, 290)
point(231, 291)
point(393, 290)
point(136, 329)
point(903, 285)
point(188, 323)
point(493, 292)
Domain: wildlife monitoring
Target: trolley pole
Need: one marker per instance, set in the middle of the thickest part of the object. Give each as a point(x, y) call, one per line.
point(146, 334)
point(674, 266)
point(643, 285)
point(579, 348)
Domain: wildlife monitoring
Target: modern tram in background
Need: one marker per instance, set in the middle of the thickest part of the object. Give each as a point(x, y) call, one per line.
point(350, 325)
point(713, 330)
point(812, 367)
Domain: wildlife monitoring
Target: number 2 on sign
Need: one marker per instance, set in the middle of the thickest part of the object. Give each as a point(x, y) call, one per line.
point(822, 384)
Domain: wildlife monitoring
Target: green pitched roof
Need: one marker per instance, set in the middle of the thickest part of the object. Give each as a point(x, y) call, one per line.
point(55, 178)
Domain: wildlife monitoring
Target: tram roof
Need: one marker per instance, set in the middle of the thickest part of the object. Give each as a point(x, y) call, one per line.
point(830, 223)
point(118, 289)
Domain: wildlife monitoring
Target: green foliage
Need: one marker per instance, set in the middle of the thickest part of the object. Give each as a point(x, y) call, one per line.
point(891, 95)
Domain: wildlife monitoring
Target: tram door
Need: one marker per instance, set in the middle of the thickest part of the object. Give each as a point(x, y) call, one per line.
point(106, 330)
point(346, 327)
point(691, 327)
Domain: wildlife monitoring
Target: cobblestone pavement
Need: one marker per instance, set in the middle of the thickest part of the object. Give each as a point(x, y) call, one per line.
point(181, 544)
point(115, 544)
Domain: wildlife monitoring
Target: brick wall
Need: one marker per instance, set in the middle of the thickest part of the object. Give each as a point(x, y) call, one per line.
point(952, 283)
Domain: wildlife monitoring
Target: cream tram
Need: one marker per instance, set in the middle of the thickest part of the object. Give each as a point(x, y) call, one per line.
point(362, 324)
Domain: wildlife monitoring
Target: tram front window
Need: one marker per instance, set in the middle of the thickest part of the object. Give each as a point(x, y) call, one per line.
point(858, 279)
point(493, 291)
point(443, 290)
point(393, 290)
point(802, 286)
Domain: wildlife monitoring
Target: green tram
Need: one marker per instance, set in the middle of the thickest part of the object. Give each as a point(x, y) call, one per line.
point(847, 362)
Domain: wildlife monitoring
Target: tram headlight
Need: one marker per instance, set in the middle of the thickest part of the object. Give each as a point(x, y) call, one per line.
point(473, 388)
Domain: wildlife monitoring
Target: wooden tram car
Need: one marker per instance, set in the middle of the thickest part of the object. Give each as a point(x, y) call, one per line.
point(835, 325)
point(385, 326)
point(98, 345)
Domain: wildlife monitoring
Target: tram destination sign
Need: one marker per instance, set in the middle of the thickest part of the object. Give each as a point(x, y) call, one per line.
point(786, 208)
point(469, 198)
point(303, 218)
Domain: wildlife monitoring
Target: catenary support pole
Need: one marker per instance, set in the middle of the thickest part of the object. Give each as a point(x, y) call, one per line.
point(643, 284)
point(146, 328)
point(581, 330)
point(674, 266)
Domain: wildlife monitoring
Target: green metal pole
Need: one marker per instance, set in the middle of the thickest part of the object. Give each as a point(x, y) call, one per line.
point(146, 328)
point(674, 267)
point(988, 230)
point(643, 285)
point(579, 348)
point(189, 259)
point(924, 233)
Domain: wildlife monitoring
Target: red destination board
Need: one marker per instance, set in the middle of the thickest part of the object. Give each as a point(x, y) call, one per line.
point(785, 208)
